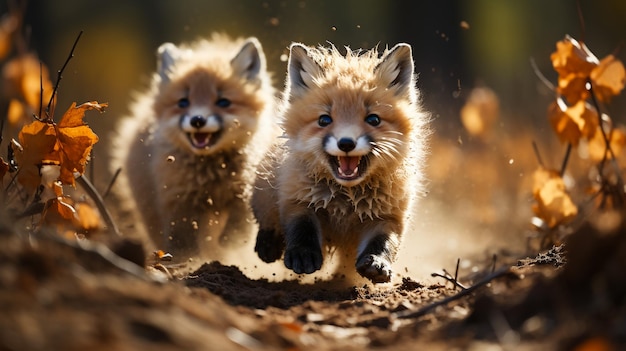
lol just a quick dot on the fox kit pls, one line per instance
(190, 149)
(350, 167)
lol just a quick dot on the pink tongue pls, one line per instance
(200, 138)
(348, 164)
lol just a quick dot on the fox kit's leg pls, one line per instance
(238, 225)
(303, 243)
(377, 250)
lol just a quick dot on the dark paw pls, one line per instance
(269, 246)
(374, 268)
(303, 259)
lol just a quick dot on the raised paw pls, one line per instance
(375, 268)
(303, 259)
(269, 245)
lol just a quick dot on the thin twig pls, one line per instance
(426, 309)
(538, 155)
(607, 141)
(581, 18)
(456, 271)
(449, 278)
(110, 186)
(59, 77)
(540, 75)
(93, 193)
(568, 151)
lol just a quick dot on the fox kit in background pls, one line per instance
(190, 149)
(350, 167)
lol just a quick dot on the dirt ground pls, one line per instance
(59, 294)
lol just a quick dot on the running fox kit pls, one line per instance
(190, 149)
(347, 174)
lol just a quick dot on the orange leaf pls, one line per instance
(8, 25)
(553, 203)
(75, 140)
(597, 144)
(24, 76)
(608, 78)
(87, 218)
(16, 112)
(572, 56)
(574, 63)
(480, 112)
(573, 123)
(35, 148)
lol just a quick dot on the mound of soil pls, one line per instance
(76, 294)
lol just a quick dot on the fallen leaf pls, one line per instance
(608, 78)
(87, 218)
(75, 140)
(597, 144)
(574, 62)
(35, 148)
(553, 204)
(480, 112)
(573, 123)
(24, 77)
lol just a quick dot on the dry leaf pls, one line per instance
(35, 147)
(480, 112)
(553, 204)
(24, 77)
(608, 78)
(75, 140)
(573, 123)
(16, 112)
(59, 211)
(597, 144)
(8, 25)
(574, 62)
(87, 218)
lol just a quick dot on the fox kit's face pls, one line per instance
(348, 116)
(210, 101)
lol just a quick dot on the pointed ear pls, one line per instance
(301, 70)
(167, 54)
(250, 61)
(396, 69)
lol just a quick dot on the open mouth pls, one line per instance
(348, 167)
(202, 140)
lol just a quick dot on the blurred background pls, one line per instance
(479, 194)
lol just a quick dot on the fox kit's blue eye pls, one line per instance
(324, 120)
(222, 102)
(183, 103)
(372, 119)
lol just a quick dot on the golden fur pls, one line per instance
(297, 176)
(185, 195)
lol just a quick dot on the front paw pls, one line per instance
(269, 245)
(303, 259)
(375, 268)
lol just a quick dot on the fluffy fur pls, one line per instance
(350, 168)
(193, 140)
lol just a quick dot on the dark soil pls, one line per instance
(59, 294)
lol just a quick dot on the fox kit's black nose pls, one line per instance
(346, 144)
(197, 121)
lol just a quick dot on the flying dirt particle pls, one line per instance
(511, 161)
(223, 165)
(358, 26)
(209, 201)
(194, 225)
(171, 159)
(333, 28)
(284, 57)
(464, 25)
(274, 22)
